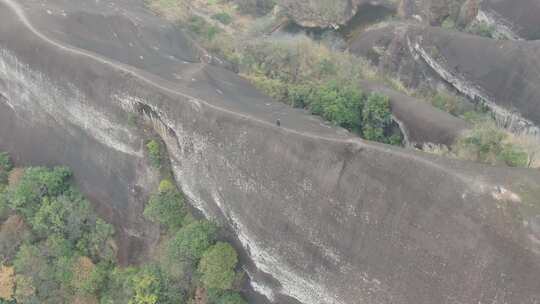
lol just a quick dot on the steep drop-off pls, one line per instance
(324, 216)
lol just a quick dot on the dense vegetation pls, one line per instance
(55, 249)
(304, 74)
(310, 74)
(488, 144)
(154, 153)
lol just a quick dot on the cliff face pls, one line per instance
(499, 74)
(324, 217)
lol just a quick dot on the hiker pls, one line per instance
(278, 123)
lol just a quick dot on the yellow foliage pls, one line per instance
(7, 282)
(25, 288)
(82, 270)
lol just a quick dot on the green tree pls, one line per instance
(57, 246)
(146, 289)
(120, 285)
(154, 152)
(31, 263)
(36, 183)
(68, 214)
(376, 117)
(488, 144)
(337, 103)
(217, 266)
(99, 241)
(49, 218)
(166, 207)
(484, 143)
(190, 242)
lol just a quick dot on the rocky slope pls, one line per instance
(323, 216)
(499, 74)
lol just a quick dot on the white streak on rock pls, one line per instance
(36, 98)
(512, 121)
(503, 28)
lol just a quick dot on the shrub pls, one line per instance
(376, 117)
(223, 18)
(217, 266)
(166, 207)
(5, 167)
(146, 289)
(154, 152)
(488, 144)
(338, 103)
(482, 29)
(449, 23)
(514, 156)
(449, 103)
(200, 27)
(482, 144)
(255, 7)
(5, 162)
(274, 88)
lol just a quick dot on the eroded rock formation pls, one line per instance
(517, 19)
(499, 74)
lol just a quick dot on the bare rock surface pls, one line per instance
(324, 217)
(503, 74)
